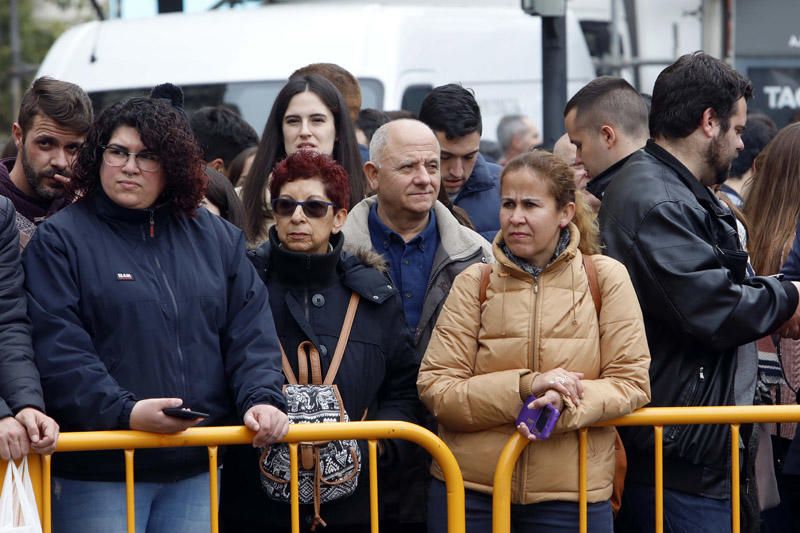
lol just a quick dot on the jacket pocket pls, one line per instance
(689, 398)
(733, 260)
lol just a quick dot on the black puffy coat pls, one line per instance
(19, 379)
(309, 295)
(683, 254)
(122, 314)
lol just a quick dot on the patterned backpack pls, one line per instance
(328, 470)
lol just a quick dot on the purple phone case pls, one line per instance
(540, 422)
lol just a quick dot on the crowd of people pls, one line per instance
(163, 269)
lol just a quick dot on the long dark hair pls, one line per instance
(271, 150)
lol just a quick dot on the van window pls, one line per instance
(413, 97)
(252, 99)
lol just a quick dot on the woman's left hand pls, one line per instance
(551, 397)
(270, 424)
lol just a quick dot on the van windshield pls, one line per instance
(252, 99)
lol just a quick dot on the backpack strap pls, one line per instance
(287, 368)
(347, 325)
(594, 286)
(486, 271)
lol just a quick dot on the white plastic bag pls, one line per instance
(18, 513)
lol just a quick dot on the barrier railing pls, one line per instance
(658, 417)
(213, 437)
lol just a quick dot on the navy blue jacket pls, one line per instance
(19, 380)
(120, 315)
(309, 294)
(480, 197)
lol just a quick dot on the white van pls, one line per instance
(244, 56)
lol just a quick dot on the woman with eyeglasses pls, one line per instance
(311, 276)
(308, 114)
(141, 302)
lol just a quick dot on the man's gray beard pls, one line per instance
(35, 180)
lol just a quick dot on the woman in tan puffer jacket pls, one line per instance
(536, 333)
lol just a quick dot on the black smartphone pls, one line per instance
(184, 412)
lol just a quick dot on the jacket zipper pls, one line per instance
(532, 359)
(177, 327)
(673, 432)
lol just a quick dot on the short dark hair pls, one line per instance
(272, 149)
(221, 133)
(306, 164)
(370, 120)
(609, 100)
(453, 110)
(341, 78)
(685, 89)
(759, 132)
(221, 193)
(165, 131)
(61, 101)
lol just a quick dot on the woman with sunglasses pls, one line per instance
(311, 278)
(141, 302)
(308, 114)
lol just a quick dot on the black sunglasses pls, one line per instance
(285, 207)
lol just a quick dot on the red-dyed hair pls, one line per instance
(306, 164)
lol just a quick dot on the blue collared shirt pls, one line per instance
(410, 263)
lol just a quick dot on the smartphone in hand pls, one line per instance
(184, 412)
(540, 422)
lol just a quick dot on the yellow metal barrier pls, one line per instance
(658, 417)
(212, 437)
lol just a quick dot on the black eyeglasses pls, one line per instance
(285, 207)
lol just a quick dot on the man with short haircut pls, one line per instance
(702, 310)
(607, 122)
(516, 134)
(23, 425)
(54, 117)
(472, 183)
(426, 248)
(222, 135)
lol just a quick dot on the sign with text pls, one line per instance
(776, 92)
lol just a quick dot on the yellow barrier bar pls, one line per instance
(213, 474)
(129, 491)
(501, 501)
(741, 414)
(373, 486)
(735, 478)
(294, 487)
(583, 484)
(47, 495)
(659, 477)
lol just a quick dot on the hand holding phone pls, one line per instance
(539, 422)
(184, 413)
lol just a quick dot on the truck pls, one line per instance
(398, 51)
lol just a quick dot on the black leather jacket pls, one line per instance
(689, 271)
(19, 379)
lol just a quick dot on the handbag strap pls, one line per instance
(486, 271)
(594, 286)
(313, 354)
(347, 325)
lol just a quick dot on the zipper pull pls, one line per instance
(702, 376)
(152, 224)
(536, 287)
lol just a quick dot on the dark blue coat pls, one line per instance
(120, 315)
(480, 197)
(377, 378)
(19, 380)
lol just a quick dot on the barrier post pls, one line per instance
(735, 507)
(373, 486)
(583, 484)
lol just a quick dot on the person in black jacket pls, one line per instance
(310, 279)
(23, 424)
(140, 301)
(701, 307)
